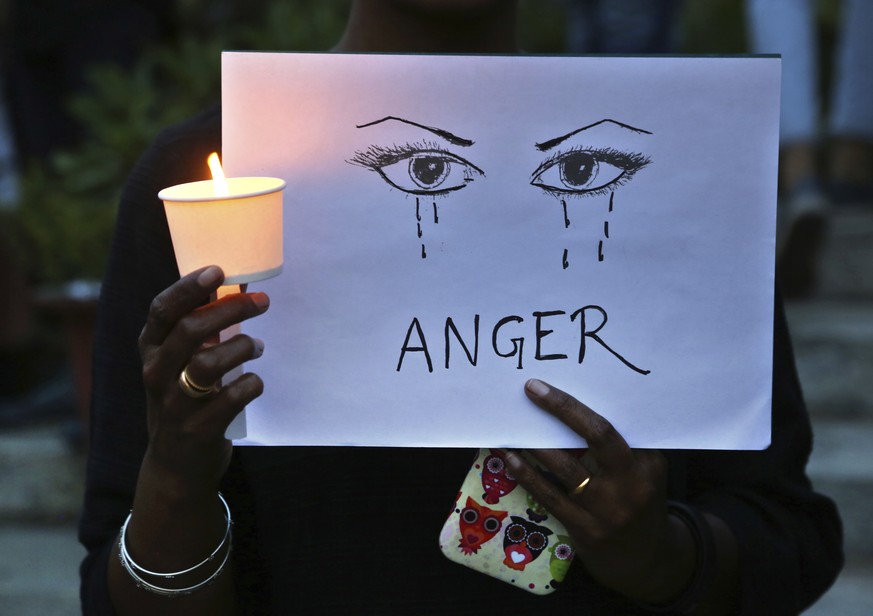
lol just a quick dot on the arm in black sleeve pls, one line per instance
(141, 265)
(789, 537)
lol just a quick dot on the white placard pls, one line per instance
(455, 225)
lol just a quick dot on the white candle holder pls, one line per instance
(240, 232)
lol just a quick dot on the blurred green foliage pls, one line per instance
(541, 26)
(714, 27)
(62, 227)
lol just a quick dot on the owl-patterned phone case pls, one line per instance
(497, 528)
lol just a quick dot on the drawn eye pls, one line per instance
(586, 172)
(419, 169)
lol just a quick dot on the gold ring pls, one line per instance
(580, 488)
(192, 389)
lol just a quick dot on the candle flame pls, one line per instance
(219, 181)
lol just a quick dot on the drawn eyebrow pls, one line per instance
(453, 139)
(548, 145)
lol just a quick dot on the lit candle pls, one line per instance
(235, 223)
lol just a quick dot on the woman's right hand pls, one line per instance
(177, 518)
(187, 451)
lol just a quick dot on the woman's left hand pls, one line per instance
(612, 501)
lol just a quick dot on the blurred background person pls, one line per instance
(827, 141)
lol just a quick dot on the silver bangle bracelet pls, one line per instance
(175, 592)
(137, 571)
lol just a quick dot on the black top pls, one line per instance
(345, 530)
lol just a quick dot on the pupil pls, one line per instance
(578, 169)
(428, 171)
(516, 533)
(469, 516)
(536, 541)
(491, 525)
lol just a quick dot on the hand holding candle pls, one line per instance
(235, 223)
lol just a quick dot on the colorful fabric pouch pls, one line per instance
(498, 529)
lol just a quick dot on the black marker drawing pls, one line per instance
(425, 168)
(428, 169)
(422, 168)
(453, 139)
(508, 335)
(605, 235)
(584, 171)
(548, 145)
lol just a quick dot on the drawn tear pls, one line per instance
(600, 256)
(564, 261)
(566, 218)
(436, 217)
(419, 231)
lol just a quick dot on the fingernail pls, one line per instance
(537, 388)
(209, 276)
(259, 347)
(262, 300)
(512, 460)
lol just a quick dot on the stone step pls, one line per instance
(833, 345)
(846, 260)
(842, 468)
(851, 594)
(41, 476)
(39, 569)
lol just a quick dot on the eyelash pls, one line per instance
(628, 162)
(376, 156)
(624, 165)
(380, 159)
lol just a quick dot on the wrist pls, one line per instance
(175, 485)
(174, 519)
(689, 572)
(171, 536)
(178, 582)
(670, 564)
